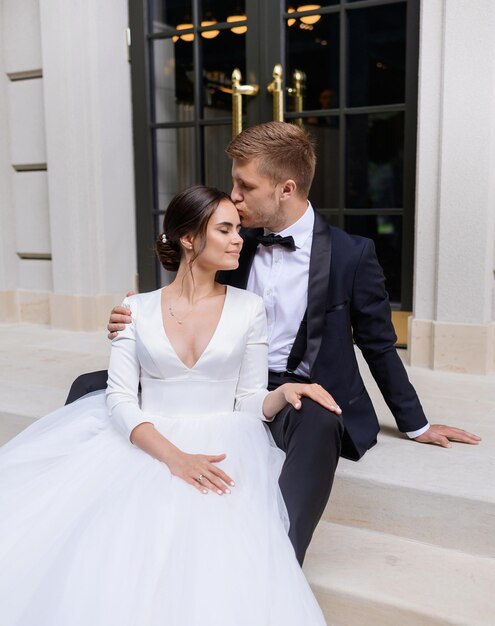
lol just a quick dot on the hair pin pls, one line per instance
(164, 238)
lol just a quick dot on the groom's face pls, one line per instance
(256, 197)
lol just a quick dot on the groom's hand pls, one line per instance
(442, 436)
(293, 393)
(119, 317)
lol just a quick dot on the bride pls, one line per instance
(162, 510)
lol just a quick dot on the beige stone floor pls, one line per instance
(37, 366)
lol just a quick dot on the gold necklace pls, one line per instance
(179, 321)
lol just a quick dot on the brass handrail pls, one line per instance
(238, 91)
(296, 92)
(277, 90)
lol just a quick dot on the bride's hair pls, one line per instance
(187, 214)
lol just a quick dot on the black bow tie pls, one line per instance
(274, 240)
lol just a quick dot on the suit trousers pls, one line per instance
(311, 437)
(86, 383)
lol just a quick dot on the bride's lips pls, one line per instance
(234, 252)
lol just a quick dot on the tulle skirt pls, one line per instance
(95, 532)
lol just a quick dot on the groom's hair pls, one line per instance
(282, 151)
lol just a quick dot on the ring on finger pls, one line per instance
(200, 478)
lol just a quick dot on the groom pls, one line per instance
(323, 290)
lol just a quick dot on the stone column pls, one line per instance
(90, 158)
(453, 326)
(25, 265)
(8, 305)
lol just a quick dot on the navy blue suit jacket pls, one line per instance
(347, 304)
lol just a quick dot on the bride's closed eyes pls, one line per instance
(227, 227)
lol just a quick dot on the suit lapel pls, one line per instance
(239, 277)
(319, 274)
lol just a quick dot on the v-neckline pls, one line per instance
(174, 351)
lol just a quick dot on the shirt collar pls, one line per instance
(301, 229)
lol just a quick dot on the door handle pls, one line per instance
(277, 90)
(296, 92)
(238, 91)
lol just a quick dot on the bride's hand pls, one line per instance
(293, 392)
(200, 471)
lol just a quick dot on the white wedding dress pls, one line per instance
(95, 532)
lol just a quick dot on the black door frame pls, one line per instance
(265, 46)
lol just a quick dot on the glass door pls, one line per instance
(351, 76)
(183, 55)
(348, 71)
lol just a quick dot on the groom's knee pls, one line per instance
(316, 429)
(320, 421)
(86, 383)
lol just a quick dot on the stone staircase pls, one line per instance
(408, 537)
(364, 577)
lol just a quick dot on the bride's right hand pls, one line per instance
(200, 471)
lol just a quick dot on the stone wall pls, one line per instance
(68, 249)
(453, 325)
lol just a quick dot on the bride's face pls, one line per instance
(223, 241)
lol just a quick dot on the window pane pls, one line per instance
(217, 164)
(174, 80)
(377, 55)
(331, 217)
(386, 232)
(221, 55)
(324, 193)
(175, 163)
(220, 10)
(374, 163)
(316, 53)
(167, 14)
(299, 6)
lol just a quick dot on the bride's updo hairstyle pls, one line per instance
(187, 214)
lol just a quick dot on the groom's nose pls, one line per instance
(235, 194)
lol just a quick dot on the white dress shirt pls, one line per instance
(280, 276)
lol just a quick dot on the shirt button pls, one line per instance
(268, 292)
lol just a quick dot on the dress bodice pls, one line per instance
(231, 373)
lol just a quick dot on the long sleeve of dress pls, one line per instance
(253, 376)
(123, 377)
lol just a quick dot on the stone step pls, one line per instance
(38, 365)
(11, 425)
(422, 492)
(448, 520)
(366, 578)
